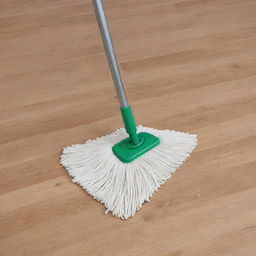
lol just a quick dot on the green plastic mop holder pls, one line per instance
(127, 152)
(135, 145)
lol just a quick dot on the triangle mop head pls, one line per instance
(124, 187)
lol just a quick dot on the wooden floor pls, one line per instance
(188, 65)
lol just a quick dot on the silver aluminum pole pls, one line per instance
(110, 52)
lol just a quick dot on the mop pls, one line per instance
(122, 170)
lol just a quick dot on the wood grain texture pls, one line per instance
(188, 65)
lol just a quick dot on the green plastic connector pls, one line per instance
(135, 145)
(130, 125)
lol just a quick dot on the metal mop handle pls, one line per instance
(125, 109)
(110, 52)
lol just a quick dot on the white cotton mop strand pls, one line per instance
(119, 171)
